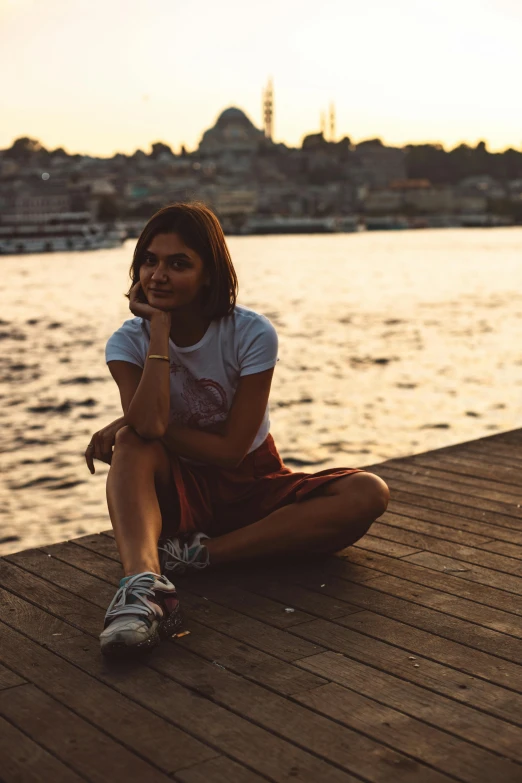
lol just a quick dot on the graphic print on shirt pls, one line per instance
(205, 400)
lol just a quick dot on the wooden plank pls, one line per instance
(434, 529)
(448, 753)
(429, 619)
(470, 467)
(87, 559)
(448, 582)
(75, 611)
(438, 519)
(109, 550)
(459, 656)
(510, 438)
(47, 566)
(444, 496)
(461, 482)
(270, 638)
(495, 448)
(450, 605)
(425, 617)
(218, 770)
(390, 548)
(403, 534)
(245, 659)
(503, 548)
(264, 610)
(212, 724)
(487, 453)
(231, 622)
(9, 679)
(458, 551)
(359, 754)
(469, 571)
(458, 719)
(47, 627)
(192, 639)
(276, 673)
(244, 603)
(101, 543)
(71, 739)
(219, 614)
(157, 741)
(239, 680)
(453, 605)
(23, 761)
(280, 588)
(406, 698)
(268, 710)
(244, 740)
(489, 458)
(429, 674)
(500, 450)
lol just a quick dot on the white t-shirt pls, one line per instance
(204, 376)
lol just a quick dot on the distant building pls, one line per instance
(38, 203)
(235, 201)
(233, 132)
(383, 202)
(379, 165)
(420, 197)
(469, 204)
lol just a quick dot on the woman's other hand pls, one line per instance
(139, 305)
(102, 443)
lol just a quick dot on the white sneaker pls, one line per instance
(144, 610)
(179, 557)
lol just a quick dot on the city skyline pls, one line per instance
(103, 77)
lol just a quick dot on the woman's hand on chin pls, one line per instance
(140, 307)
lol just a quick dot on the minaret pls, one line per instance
(268, 109)
(323, 124)
(332, 122)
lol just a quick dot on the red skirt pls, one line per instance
(217, 500)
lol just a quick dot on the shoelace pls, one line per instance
(182, 555)
(139, 588)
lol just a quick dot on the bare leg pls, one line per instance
(140, 471)
(335, 519)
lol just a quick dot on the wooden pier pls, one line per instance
(398, 661)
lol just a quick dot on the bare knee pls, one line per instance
(365, 491)
(364, 498)
(373, 493)
(151, 456)
(128, 440)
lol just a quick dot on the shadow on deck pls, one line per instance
(397, 661)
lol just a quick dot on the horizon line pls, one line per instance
(431, 143)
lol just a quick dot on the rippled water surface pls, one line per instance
(390, 344)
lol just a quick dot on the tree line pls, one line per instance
(423, 161)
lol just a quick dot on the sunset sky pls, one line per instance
(100, 76)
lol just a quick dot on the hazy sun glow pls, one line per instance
(100, 76)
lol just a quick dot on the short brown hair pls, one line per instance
(200, 230)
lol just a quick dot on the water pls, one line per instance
(390, 344)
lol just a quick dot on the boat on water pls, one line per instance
(284, 224)
(386, 223)
(486, 220)
(57, 232)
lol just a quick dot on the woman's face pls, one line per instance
(172, 275)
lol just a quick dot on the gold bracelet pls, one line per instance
(158, 356)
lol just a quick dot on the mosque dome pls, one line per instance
(233, 132)
(233, 115)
